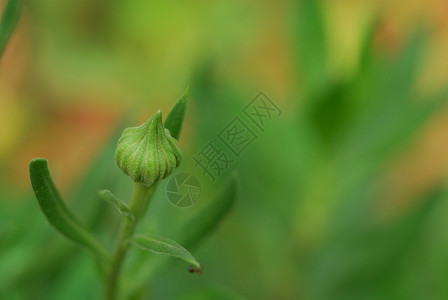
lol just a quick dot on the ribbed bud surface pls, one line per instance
(148, 153)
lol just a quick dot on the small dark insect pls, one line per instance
(195, 270)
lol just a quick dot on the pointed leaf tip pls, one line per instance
(122, 207)
(175, 118)
(162, 245)
(58, 214)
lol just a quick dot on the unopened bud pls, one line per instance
(148, 153)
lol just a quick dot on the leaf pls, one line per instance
(209, 217)
(175, 118)
(366, 56)
(58, 214)
(189, 233)
(162, 245)
(8, 22)
(122, 207)
(50, 260)
(100, 173)
(311, 45)
(369, 255)
(392, 113)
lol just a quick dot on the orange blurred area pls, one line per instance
(338, 195)
(46, 86)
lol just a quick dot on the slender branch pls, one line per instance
(139, 202)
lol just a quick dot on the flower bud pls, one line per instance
(148, 153)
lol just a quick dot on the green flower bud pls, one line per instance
(148, 153)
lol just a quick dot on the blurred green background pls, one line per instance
(344, 196)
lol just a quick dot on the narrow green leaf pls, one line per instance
(368, 254)
(310, 37)
(189, 234)
(162, 245)
(209, 217)
(122, 207)
(8, 22)
(58, 214)
(48, 259)
(366, 56)
(175, 118)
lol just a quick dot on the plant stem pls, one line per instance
(139, 202)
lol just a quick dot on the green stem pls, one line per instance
(139, 202)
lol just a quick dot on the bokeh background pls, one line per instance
(341, 197)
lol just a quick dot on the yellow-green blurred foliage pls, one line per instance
(341, 197)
